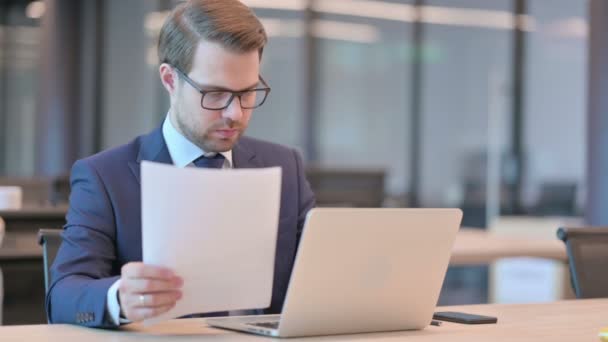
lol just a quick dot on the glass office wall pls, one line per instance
(361, 69)
(133, 99)
(284, 67)
(19, 74)
(364, 67)
(555, 107)
(465, 103)
(465, 119)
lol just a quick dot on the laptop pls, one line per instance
(361, 270)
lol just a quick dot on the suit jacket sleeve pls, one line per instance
(306, 198)
(84, 268)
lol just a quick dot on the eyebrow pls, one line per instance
(211, 87)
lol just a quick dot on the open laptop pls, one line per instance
(361, 270)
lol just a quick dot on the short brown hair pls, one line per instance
(228, 22)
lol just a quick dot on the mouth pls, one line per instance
(226, 133)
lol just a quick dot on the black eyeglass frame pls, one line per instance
(266, 89)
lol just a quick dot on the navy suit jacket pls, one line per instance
(103, 230)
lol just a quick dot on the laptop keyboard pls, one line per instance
(268, 325)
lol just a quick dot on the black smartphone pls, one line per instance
(464, 318)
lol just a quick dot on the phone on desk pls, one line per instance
(464, 318)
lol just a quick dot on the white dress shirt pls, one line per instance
(183, 152)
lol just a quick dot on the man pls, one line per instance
(210, 53)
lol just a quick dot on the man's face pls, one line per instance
(214, 68)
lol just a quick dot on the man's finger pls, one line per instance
(154, 299)
(130, 285)
(141, 270)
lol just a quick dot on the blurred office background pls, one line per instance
(476, 104)
(470, 101)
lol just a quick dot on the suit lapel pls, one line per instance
(152, 147)
(243, 156)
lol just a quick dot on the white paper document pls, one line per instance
(217, 229)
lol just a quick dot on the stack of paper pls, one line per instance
(217, 229)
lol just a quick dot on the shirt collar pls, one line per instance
(183, 151)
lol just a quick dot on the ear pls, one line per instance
(168, 77)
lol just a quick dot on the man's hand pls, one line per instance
(147, 291)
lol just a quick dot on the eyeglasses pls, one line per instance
(221, 99)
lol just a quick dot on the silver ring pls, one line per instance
(142, 300)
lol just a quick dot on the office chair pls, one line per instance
(557, 198)
(60, 189)
(341, 187)
(49, 239)
(588, 259)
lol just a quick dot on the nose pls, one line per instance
(234, 111)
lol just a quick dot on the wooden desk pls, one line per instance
(20, 257)
(58, 211)
(565, 321)
(472, 246)
(476, 247)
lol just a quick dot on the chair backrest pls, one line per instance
(347, 187)
(49, 239)
(557, 198)
(60, 189)
(1, 231)
(588, 259)
(1, 276)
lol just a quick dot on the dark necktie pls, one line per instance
(215, 162)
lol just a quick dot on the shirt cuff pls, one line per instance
(112, 305)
